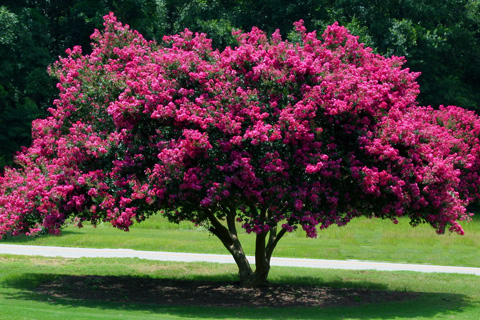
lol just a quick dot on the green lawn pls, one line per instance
(362, 239)
(442, 296)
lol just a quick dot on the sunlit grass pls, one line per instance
(361, 239)
(444, 296)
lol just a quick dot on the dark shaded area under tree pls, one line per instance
(211, 293)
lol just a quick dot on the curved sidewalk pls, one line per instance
(68, 252)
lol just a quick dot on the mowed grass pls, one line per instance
(440, 296)
(361, 239)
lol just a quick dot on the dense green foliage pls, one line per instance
(439, 38)
(32, 36)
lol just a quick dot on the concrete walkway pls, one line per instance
(68, 252)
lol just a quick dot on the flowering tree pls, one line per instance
(270, 135)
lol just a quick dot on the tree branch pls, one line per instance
(260, 258)
(231, 221)
(230, 241)
(219, 230)
(273, 241)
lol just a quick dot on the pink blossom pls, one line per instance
(306, 134)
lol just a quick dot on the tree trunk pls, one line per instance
(263, 249)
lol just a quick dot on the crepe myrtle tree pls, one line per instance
(271, 135)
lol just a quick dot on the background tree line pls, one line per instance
(440, 38)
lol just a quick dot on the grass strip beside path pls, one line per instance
(361, 239)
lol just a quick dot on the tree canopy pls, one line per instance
(440, 39)
(270, 134)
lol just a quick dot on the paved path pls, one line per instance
(68, 252)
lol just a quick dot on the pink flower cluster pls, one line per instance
(303, 134)
(425, 161)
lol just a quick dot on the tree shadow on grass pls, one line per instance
(208, 297)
